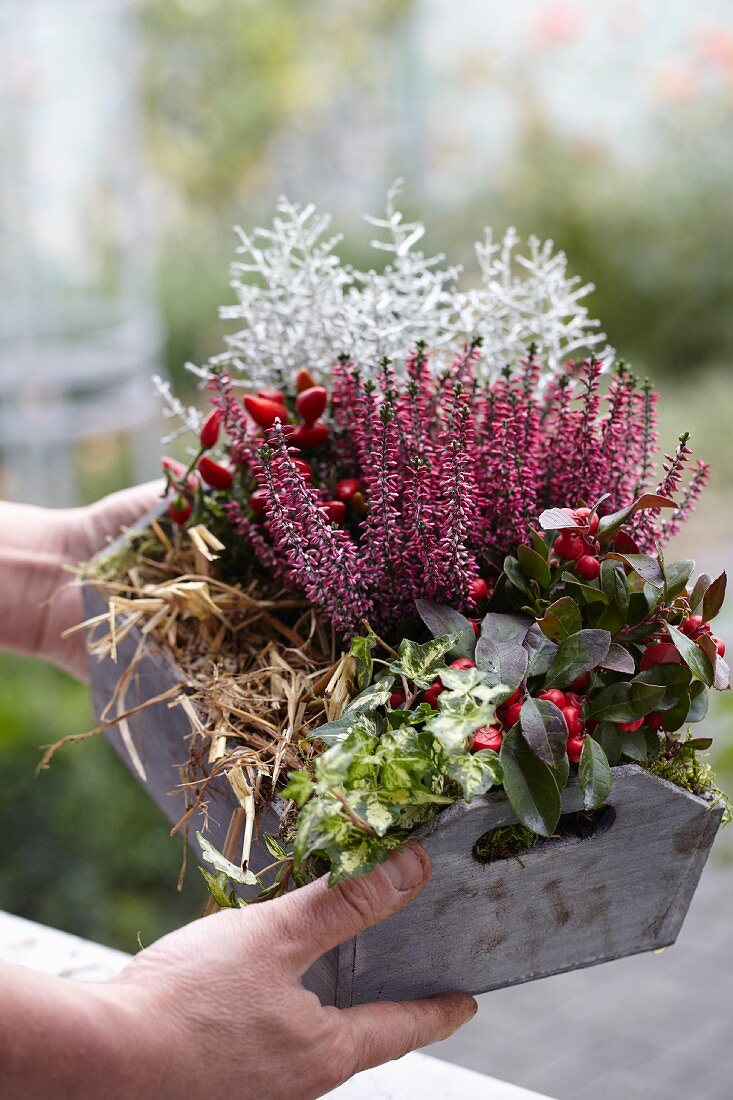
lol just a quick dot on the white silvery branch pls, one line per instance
(299, 306)
(187, 417)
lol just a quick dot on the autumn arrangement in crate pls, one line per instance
(410, 581)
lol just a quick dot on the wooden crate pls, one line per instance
(569, 903)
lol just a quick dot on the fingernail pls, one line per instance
(404, 869)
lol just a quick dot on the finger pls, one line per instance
(310, 921)
(126, 507)
(385, 1030)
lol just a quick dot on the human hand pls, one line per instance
(37, 601)
(217, 1008)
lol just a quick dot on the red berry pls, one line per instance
(397, 698)
(554, 695)
(582, 683)
(335, 510)
(304, 380)
(214, 474)
(574, 749)
(587, 567)
(310, 435)
(630, 727)
(659, 653)
(310, 403)
(303, 469)
(654, 720)
(346, 488)
(209, 433)
(265, 412)
(431, 694)
(487, 737)
(476, 626)
(511, 714)
(272, 395)
(569, 546)
(588, 520)
(691, 624)
(462, 662)
(573, 700)
(513, 698)
(719, 645)
(479, 589)
(179, 510)
(259, 502)
(573, 720)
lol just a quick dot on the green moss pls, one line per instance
(693, 773)
(114, 566)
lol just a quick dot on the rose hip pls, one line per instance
(310, 435)
(214, 474)
(210, 428)
(272, 395)
(310, 403)
(265, 412)
(304, 380)
(179, 510)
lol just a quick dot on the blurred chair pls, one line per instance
(79, 332)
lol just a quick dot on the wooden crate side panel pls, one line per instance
(573, 903)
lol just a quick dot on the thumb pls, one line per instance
(310, 921)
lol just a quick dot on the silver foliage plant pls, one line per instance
(299, 306)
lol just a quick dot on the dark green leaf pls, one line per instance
(676, 717)
(505, 628)
(675, 679)
(606, 734)
(701, 586)
(699, 744)
(619, 659)
(613, 583)
(442, 620)
(540, 544)
(610, 524)
(501, 662)
(594, 775)
(721, 672)
(578, 654)
(646, 697)
(613, 704)
(589, 591)
(561, 771)
(693, 656)
(646, 567)
(541, 651)
(713, 598)
(633, 745)
(544, 729)
(516, 576)
(534, 566)
(530, 785)
(699, 698)
(561, 619)
(677, 574)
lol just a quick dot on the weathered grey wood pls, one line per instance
(569, 903)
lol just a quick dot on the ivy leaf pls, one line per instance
(530, 785)
(376, 808)
(361, 650)
(376, 695)
(224, 865)
(693, 656)
(594, 775)
(618, 659)
(713, 599)
(561, 619)
(534, 566)
(577, 654)
(475, 773)
(217, 887)
(299, 788)
(421, 663)
(610, 524)
(332, 732)
(544, 729)
(643, 565)
(274, 847)
(442, 620)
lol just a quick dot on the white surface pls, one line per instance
(54, 952)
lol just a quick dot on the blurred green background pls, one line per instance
(587, 127)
